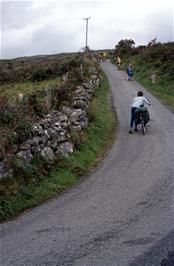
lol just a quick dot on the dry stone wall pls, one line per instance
(52, 134)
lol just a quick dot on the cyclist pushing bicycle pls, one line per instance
(137, 107)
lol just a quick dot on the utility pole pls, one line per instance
(86, 46)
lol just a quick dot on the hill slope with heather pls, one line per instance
(153, 66)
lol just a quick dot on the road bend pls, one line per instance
(121, 214)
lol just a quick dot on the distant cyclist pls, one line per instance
(137, 102)
(118, 62)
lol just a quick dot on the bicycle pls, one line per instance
(142, 118)
(142, 123)
(118, 66)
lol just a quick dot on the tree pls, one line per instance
(125, 47)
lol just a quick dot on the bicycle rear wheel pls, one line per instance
(143, 126)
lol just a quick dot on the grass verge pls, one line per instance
(96, 141)
(161, 91)
(163, 88)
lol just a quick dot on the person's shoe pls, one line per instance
(130, 131)
(135, 129)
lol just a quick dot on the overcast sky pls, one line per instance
(53, 26)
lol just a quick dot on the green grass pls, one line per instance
(161, 91)
(164, 92)
(13, 89)
(91, 151)
(163, 88)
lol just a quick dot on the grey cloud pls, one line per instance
(14, 14)
(16, 50)
(18, 14)
(36, 27)
(161, 26)
(46, 40)
(50, 37)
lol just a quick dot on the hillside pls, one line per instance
(153, 66)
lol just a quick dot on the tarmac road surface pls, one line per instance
(120, 215)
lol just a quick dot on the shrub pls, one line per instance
(39, 75)
(6, 115)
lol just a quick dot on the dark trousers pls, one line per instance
(132, 116)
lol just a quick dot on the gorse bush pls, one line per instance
(39, 75)
(125, 47)
(160, 51)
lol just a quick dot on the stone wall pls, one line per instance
(52, 135)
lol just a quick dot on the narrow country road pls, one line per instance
(120, 215)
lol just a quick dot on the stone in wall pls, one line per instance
(47, 153)
(25, 155)
(64, 149)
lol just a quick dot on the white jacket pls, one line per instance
(139, 101)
